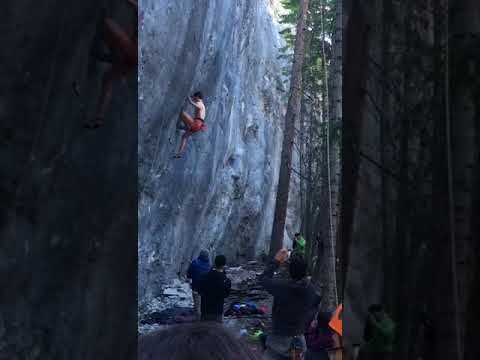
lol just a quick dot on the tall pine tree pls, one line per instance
(293, 112)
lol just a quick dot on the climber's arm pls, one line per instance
(274, 286)
(193, 103)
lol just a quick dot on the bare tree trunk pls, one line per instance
(384, 118)
(302, 163)
(466, 101)
(464, 127)
(445, 341)
(355, 59)
(310, 211)
(336, 120)
(328, 189)
(293, 112)
(451, 199)
(403, 208)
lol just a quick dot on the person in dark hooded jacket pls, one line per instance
(214, 287)
(198, 268)
(294, 300)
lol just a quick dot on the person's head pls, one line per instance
(204, 256)
(220, 262)
(298, 268)
(197, 95)
(377, 311)
(297, 235)
(196, 341)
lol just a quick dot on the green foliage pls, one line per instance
(290, 20)
(314, 62)
(311, 138)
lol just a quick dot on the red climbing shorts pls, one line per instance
(198, 125)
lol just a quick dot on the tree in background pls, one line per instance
(317, 136)
(293, 112)
(410, 158)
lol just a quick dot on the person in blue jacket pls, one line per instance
(196, 270)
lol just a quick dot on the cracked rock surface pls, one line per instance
(220, 196)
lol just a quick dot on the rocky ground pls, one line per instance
(175, 305)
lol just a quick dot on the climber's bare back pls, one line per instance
(199, 109)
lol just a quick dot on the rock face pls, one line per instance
(221, 195)
(67, 234)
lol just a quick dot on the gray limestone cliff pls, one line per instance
(221, 194)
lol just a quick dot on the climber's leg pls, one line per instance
(118, 41)
(183, 144)
(105, 96)
(187, 119)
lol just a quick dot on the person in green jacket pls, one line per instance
(379, 335)
(299, 244)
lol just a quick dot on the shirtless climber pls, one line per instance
(195, 124)
(122, 56)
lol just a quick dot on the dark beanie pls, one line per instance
(204, 255)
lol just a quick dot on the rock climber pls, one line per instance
(198, 268)
(122, 56)
(294, 301)
(379, 335)
(214, 288)
(319, 338)
(192, 125)
(299, 244)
